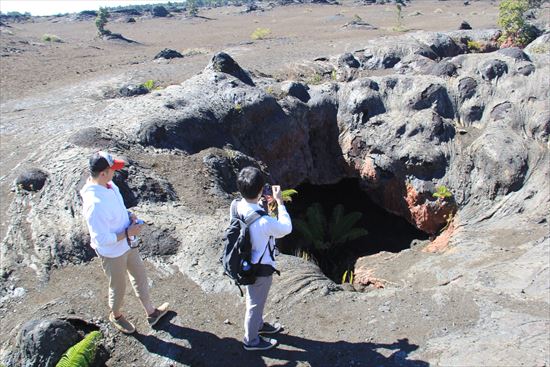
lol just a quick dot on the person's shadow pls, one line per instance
(200, 348)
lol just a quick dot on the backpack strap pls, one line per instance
(252, 217)
(233, 209)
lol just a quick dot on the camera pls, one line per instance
(267, 191)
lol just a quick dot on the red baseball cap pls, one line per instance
(103, 160)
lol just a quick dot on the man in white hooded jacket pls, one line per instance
(111, 227)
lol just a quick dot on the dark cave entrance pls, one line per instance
(386, 232)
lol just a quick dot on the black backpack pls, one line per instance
(237, 248)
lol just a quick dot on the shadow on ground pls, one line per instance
(199, 348)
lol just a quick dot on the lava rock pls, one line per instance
(437, 94)
(443, 68)
(297, 90)
(224, 63)
(515, 53)
(168, 54)
(133, 90)
(526, 69)
(41, 343)
(155, 241)
(93, 137)
(466, 88)
(465, 25)
(31, 180)
(444, 46)
(159, 11)
(493, 69)
(501, 110)
(473, 113)
(348, 60)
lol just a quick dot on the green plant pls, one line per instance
(315, 79)
(149, 85)
(192, 8)
(399, 14)
(347, 277)
(515, 31)
(356, 19)
(333, 75)
(51, 38)
(474, 46)
(238, 107)
(288, 194)
(260, 33)
(442, 192)
(324, 235)
(101, 21)
(83, 353)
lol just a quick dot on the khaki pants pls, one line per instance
(115, 269)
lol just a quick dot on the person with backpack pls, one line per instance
(263, 230)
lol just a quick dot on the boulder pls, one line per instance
(527, 69)
(32, 179)
(41, 343)
(466, 88)
(296, 89)
(131, 90)
(159, 11)
(168, 54)
(515, 53)
(465, 25)
(435, 95)
(493, 69)
(224, 63)
(347, 60)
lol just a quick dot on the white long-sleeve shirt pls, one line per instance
(106, 215)
(264, 228)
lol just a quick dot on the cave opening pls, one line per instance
(385, 231)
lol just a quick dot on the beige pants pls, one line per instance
(115, 269)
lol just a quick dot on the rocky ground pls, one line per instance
(479, 123)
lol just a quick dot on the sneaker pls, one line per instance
(268, 328)
(153, 318)
(122, 324)
(264, 344)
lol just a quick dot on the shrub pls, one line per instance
(51, 38)
(192, 8)
(149, 85)
(515, 31)
(260, 33)
(101, 21)
(315, 79)
(83, 353)
(474, 46)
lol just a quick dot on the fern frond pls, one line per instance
(336, 217)
(287, 195)
(354, 234)
(303, 229)
(317, 221)
(344, 226)
(82, 354)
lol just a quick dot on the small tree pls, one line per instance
(192, 8)
(101, 21)
(515, 31)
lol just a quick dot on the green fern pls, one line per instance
(287, 195)
(82, 354)
(322, 235)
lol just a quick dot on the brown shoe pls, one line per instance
(157, 314)
(122, 324)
